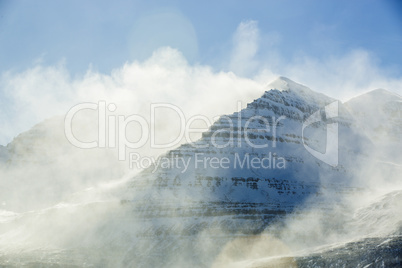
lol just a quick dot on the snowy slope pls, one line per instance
(236, 136)
(379, 114)
(247, 199)
(382, 216)
(367, 252)
(175, 217)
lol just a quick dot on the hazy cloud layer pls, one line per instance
(43, 91)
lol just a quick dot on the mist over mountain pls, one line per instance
(3, 153)
(270, 128)
(378, 115)
(263, 185)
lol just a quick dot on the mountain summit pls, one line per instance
(379, 114)
(284, 84)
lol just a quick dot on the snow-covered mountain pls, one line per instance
(379, 114)
(250, 174)
(381, 217)
(270, 132)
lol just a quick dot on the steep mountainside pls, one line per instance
(253, 165)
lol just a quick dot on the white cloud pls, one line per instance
(343, 77)
(43, 91)
(246, 43)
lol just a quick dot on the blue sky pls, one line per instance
(106, 34)
(54, 54)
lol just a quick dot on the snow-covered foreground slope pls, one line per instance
(368, 252)
(110, 234)
(195, 211)
(372, 238)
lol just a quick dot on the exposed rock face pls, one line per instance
(252, 166)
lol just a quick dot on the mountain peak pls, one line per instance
(376, 97)
(284, 84)
(385, 93)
